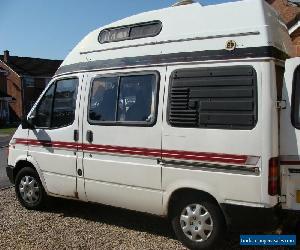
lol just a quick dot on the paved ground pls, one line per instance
(4, 182)
(4, 139)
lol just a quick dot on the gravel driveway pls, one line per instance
(4, 182)
(70, 224)
(4, 140)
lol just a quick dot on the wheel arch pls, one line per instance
(29, 162)
(173, 194)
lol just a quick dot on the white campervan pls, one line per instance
(189, 112)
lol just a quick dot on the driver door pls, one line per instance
(53, 141)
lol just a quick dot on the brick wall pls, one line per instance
(287, 11)
(296, 41)
(13, 85)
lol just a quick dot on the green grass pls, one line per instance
(7, 131)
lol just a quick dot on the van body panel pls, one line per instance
(17, 151)
(225, 141)
(204, 139)
(129, 197)
(200, 179)
(123, 157)
(289, 135)
(290, 139)
(220, 185)
(60, 185)
(269, 135)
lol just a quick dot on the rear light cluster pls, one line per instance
(274, 174)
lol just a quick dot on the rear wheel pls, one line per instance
(29, 189)
(198, 223)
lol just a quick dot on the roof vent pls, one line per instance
(183, 2)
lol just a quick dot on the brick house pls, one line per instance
(290, 13)
(22, 79)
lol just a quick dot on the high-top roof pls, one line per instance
(188, 28)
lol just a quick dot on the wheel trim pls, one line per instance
(29, 189)
(196, 222)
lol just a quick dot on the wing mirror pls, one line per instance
(28, 123)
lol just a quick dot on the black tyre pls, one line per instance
(29, 189)
(198, 223)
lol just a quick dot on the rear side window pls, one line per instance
(128, 99)
(295, 112)
(57, 106)
(220, 97)
(129, 32)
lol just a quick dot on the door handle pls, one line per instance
(89, 136)
(160, 161)
(76, 135)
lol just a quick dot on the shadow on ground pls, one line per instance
(111, 215)
(129, 219)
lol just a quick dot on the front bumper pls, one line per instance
(10, 173)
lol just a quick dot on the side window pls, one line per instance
(103, 99)
(136, 99)
(129, 99)
(57, 106)
(219, 97)
(295, 112)
(64, 103)
(43, 110)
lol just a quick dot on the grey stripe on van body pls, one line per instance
(239, 53)
(233, 169)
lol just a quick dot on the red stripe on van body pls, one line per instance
(202, 156)
(172, 154)
(122, 150)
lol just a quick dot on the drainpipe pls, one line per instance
(23, 97)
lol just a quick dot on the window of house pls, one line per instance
(47, 80)
(29, 82)
(295, 112)
(57, 106)
(219, 97)
(129, 32)
(129, 99)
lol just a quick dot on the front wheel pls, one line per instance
(29, 189)
(198, 223)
